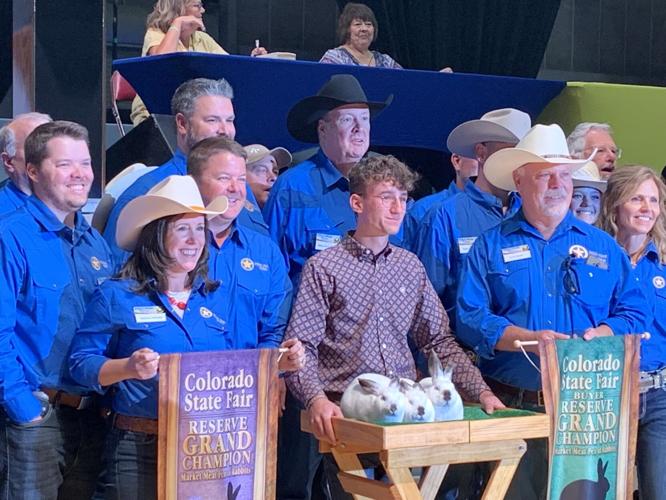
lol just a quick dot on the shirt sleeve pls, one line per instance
(15, 393)
(91, 343)
(308, 324)
(276, 219)
(476, 325)
(152, 38)
(331, 56)
(433, 247)
(628, 311)
(276, 309)
(430, 330)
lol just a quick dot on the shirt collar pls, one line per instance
(330, 175)
(180, 161)
(481, 197)
(362, 253)
(14, 189)
(652, 253)
(237, 235)
(48, 220)
(518, 222)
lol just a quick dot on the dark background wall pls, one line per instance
(620, 41)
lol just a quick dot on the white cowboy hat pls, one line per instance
(177, 194)
(500, 125)
(588, 176)
(542, 144)
(256, 152)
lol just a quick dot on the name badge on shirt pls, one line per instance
(520, 252)
(324, 241)
(464, 244)
(149, 314)
(598, 260)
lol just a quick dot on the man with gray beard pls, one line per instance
(539, 274)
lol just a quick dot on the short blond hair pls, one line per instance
(164, 12)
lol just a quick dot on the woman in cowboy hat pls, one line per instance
(161, 302)
(633, 212)
(588, 188)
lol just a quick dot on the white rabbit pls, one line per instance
(373, 398)
(418, 408)
(441, 391)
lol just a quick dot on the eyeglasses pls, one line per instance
(603, 150)
(389, 200)
(571, 283)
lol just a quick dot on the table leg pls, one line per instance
(350, 463)
(500, 479)
(403, 481)
(431, 480)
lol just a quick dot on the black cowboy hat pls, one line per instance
(338, 91)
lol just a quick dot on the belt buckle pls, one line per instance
(540, 400)
(646, 382)
(85, 403)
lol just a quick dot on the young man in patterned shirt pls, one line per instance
(359, 300)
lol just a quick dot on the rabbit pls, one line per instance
(441, 391)
(418, 408)
(232, 494)
(586, 488)
(373, 398)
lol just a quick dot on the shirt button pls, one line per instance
(549, 322)
(390, 372)
(590, 274)
(549, 294)
(381, 319)
(81, 280)
(549, 268)
(383, 346)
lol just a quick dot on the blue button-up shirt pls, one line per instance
(250, 216)
(11, 197)
(49, 272)
(412, 223)
(119, 321)
(256, 285)
(513, 276)
(650, 274)
(448, 231)
(308, 210)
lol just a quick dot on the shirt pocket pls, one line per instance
(509, 284)
(48, 290)
(154, 335)
(595, 286)
(321, 233)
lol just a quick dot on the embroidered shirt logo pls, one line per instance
(247, 264)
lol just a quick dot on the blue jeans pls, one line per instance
(651, 445)
(130, 466)
(299, 475)
(58, 457)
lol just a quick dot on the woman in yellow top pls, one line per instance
(176, 26)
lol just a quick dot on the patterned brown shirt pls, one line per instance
(353, 313)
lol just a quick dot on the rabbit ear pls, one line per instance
(448, 372)
(434, 365)
(406, 385)
(230, 490)
(369, 386)
(236, 491)
(601, 468)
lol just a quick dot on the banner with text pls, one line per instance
(218, 425)
(591, 395)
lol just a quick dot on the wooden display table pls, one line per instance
(477, 438)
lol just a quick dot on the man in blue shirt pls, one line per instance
(16, 189)
(249, 265)
(465, 169)
(51, 434)
(308, 208)
(308, 211)
(540, 273)
(448, 230)
(202, 108)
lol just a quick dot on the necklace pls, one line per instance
(364, 60)
(178, 299)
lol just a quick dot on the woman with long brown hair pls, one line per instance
(634, 213)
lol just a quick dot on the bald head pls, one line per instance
(12, 141)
